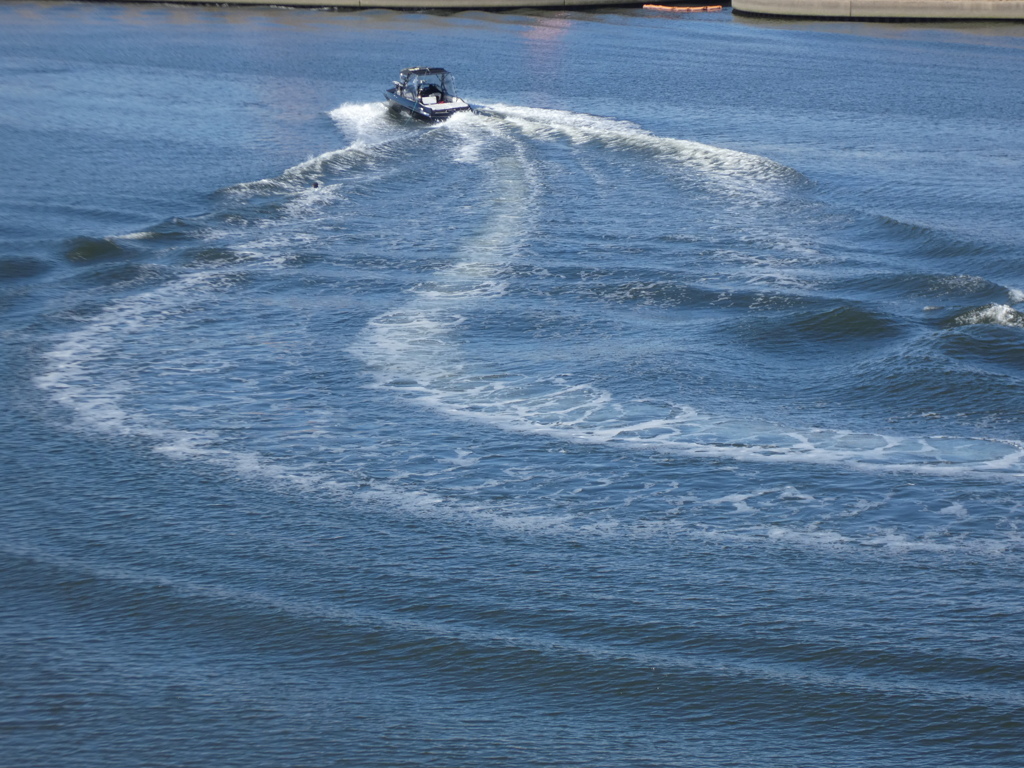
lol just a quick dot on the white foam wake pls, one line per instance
(992, 314)
(369, 132)
(731, 171)
(410, 354)
(416, 349)
(86, 370)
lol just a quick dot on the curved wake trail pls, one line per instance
(95, 370)
(429, 349)
(415, 345)
(415, 349)
(90, 370)
(728, 170)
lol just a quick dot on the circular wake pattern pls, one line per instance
(551, 321)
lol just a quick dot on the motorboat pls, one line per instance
(426, 92)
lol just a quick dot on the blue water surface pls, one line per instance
(666, 411)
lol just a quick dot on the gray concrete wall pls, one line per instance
(839, 9)
(886, 9)
(409, 4)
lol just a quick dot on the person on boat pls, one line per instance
(431, 90)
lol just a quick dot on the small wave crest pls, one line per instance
(931, 244)
(991, 314)
(15, 267)
(84, 250)
(369, 132)
(302, 175)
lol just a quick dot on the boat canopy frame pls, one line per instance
(412, 80)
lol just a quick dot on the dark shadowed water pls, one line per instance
(668, 412)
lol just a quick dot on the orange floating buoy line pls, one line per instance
(683, 7)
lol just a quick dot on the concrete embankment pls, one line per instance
(886, 9)
(411, 4)
(821, 9)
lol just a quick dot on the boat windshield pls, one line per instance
(435, 85)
